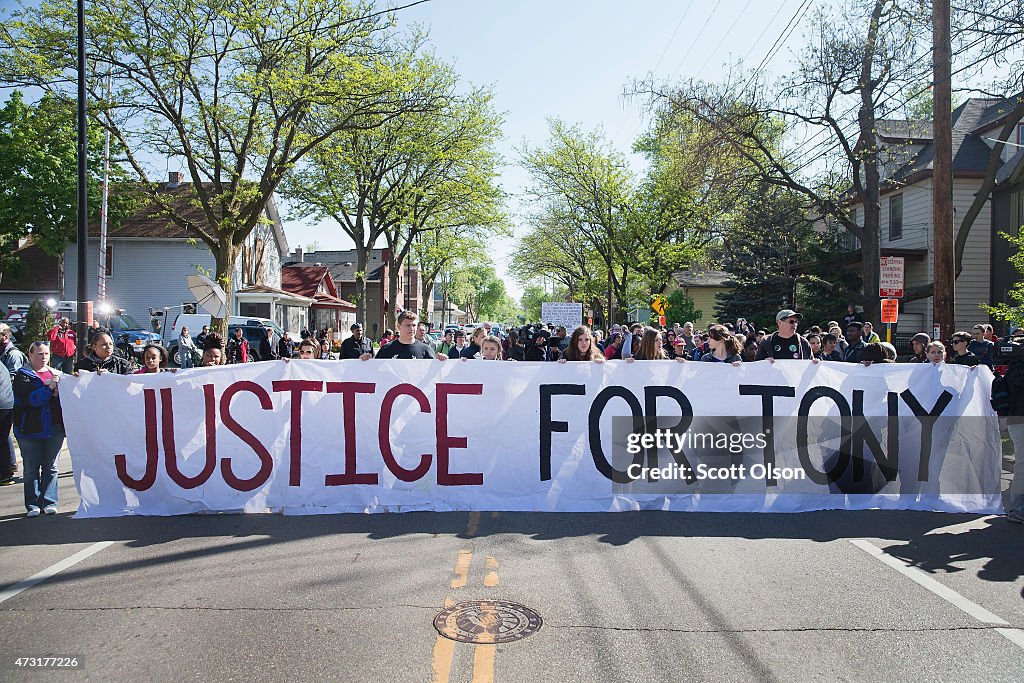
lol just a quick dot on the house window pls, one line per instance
(109, 265)
(1020, 133)
(847, 240)
(895, 217)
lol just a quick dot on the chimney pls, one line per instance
(298, 254)
(174, 178)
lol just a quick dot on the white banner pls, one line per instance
(307, 437)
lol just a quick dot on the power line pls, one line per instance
(724, 36)
(696, 38)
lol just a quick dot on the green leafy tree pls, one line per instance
(591, 185)
(241, 91)
(39, 178)
(38, 323)
(681, 308)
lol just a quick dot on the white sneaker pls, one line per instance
(32, 512)
(50, 509)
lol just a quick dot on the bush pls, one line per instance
(38, 324)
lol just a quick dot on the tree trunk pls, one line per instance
(224, 257)
(393, 273)
(427, 288)
(362, 256)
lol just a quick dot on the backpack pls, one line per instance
(1001, 400)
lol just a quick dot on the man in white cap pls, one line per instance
(785, 344)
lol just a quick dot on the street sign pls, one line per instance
(890, 310)
(658, 304)
(890, 283)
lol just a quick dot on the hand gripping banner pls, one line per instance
(311, 437)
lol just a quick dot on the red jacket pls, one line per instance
(62, 342)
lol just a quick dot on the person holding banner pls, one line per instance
(101, 357)
(785, 344)
(213, 350)
(1015, 426)
(582, 347)
(650, 347)
(960, 355)
(725, 348)
(39, 426)
(855, 344)
(406, 346)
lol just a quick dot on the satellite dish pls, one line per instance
(209, 295)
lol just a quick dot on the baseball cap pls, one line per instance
(787, 313)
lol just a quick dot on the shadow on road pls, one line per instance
(997, 542)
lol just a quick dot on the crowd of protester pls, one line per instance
(30, 403)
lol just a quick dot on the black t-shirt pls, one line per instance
(397, 349)
(784, 348)
(968, 359)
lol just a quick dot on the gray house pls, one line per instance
(149, 257)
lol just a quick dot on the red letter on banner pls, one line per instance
(445, 442)
(171, 453)
(152, 452)
(348, 391)
(266, 461)
(383, 432)
(297, 387)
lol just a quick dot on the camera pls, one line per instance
(1009, 350)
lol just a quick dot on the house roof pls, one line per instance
(701, 278)
(328, 301)
(266, 289)
(970, 153)
(302, 278)
(38, 271)
(150, 222)
(891, 130)
(995, 113)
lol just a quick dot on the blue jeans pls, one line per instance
(8, 461)
(39, 458)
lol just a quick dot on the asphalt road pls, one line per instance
(831, 596)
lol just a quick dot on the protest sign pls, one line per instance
(307, 437)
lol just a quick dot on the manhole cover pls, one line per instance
(487, 621)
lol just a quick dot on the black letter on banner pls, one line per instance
(843, 456)
(927, 419)
(547, 425)
(862, 435)
(603, 466)
(767, 394)
(651, 396)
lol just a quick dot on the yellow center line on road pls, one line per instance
(444, 653)
(491, 579)
(462, 569)
(483, 663)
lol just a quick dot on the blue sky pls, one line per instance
(572, 58)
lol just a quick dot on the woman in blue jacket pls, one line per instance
(39, 426)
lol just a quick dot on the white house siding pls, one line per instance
(146, 273)
(972, 287)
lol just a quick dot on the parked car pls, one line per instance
(128, 333)
(253, 329)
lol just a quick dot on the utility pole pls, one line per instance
(944, 315)
(83, 190)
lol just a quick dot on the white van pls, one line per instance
(195, 321)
